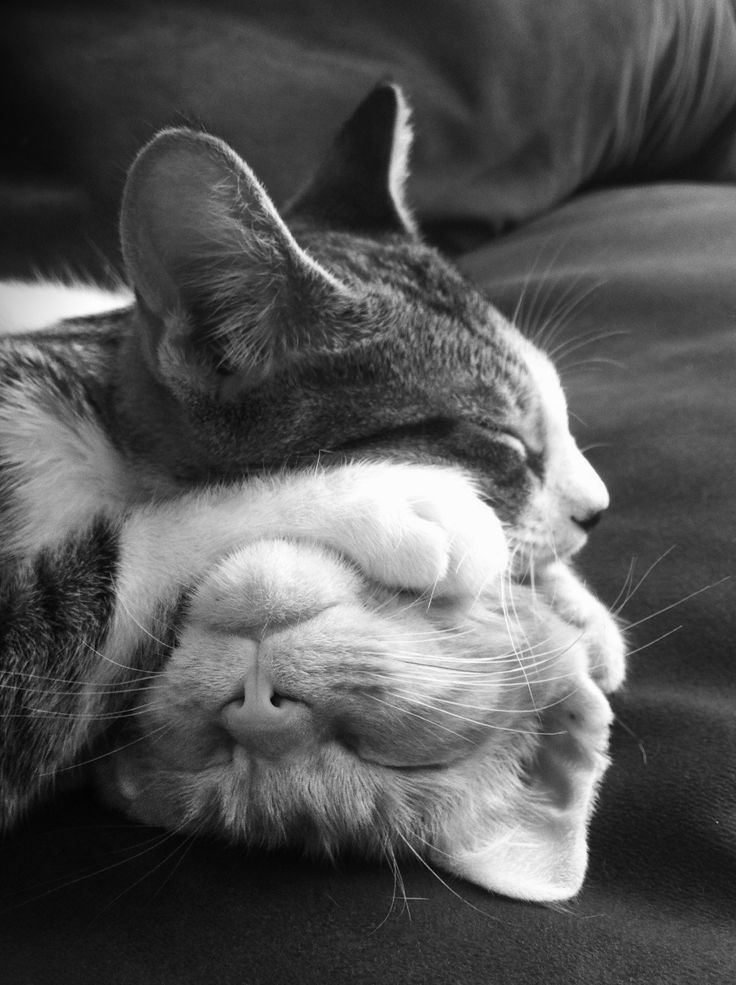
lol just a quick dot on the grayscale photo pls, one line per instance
(367, 513)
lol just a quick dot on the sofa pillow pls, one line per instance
(518, 103)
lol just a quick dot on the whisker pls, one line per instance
(645, 646)
(571, 345)
(437, 700)
(505, 595)
(635, 589)
(489, 725)
(413, 714)
(108, 752)
(184, 847)
(76, 716)
(113, 690)
(439, 878)
(390, 856)
(673, 605)
(116, 663)
(592, 362)
(165, 836)
(617, 719)
(560, 314)
(140, 625)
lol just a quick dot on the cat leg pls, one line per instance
(411, 527)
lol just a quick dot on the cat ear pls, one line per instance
(224, 289)
(539, 851)
(360, 185)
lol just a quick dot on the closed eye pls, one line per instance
(438, 435)
(534, 460)
(511, 440)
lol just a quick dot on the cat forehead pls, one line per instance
(423, 310)
(553, 404)
(416, 361)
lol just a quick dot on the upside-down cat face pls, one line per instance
(303, 705)
(261, 344)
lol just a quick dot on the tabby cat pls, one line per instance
(134, 590)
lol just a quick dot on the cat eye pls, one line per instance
(533, 460)
(514, 443)
(503, 436)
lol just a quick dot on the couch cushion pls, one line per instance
(518, 103)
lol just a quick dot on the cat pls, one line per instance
(273, 693)
(303, 705)
(85, 616)
(248, 349)
(253, 346)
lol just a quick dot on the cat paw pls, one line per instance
(600, 633)
(606, 648)
(419, 528)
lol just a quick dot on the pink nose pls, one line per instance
(263, 721)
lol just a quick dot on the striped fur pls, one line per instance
(335, 378)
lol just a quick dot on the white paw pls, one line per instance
(417, 527)
(600, 634)
(606, 649)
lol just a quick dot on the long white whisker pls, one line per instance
(116, 663)
(413, 714)
(439, 878)
(140, 625)
(107, 753)
(645, 646)
(635, 589)
(673, 605)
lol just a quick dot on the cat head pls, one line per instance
(266, 339)
(303, 706)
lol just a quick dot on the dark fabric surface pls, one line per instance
(635, 287)
(517, 104)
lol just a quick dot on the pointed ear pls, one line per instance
(360, 185)
(224, 290)
(539, 850)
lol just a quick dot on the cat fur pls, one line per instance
(251, 347)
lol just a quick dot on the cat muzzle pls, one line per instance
(263, 721)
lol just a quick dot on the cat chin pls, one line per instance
(533, 547)
(473, 737)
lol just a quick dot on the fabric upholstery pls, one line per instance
(517, 104)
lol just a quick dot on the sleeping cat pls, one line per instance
(303, 705)
(251, 347)
(82, 621)
(248, 350)
(272, 694)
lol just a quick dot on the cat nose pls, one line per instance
(589, 521)
(264, 721)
